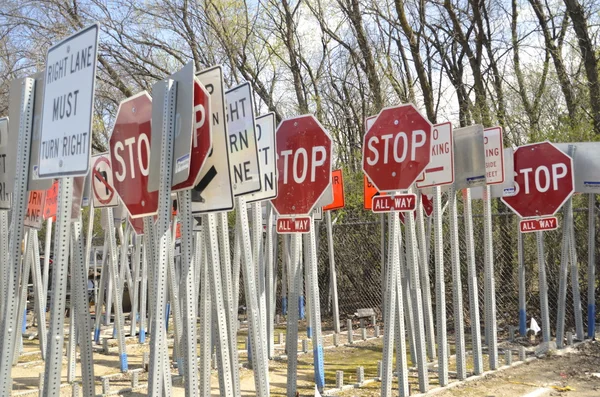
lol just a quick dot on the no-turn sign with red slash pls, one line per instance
(102, 182)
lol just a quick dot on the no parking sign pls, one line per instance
(102, 182)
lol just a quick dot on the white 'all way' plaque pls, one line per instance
(68, 105)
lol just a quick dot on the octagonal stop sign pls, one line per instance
(130, 155)
(397, 148)
(543, 180)
(303, 165)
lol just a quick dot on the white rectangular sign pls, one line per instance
(265, 135)
(502, 189)
(214, 192)
(66, 129)
(494, 155)
(469, 159)
(4, 176)
(440, 170)
(243, 148)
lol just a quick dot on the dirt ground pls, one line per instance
(573, 371)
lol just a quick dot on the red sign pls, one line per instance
(130, 155)
(303, 165)
(426, 202)
(397, 148)
(543, 180)
(399, 202)
(537, 225)
(337, 185)
(201, 139)
(293, 225)
(138, 225)
(51, 202)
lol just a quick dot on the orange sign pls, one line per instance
(51, 203)
(337, 184)
(35, 207)
(369, 191)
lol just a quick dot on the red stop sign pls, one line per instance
(201, 137)
(303, 165)
(397, 148)
(543, 180)
(130, 154)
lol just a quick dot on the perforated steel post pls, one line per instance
(591, 292)
(136, 257)
(113, 274)
(317, 336)
(100, 301)
(22, 305)
(82, 315)
(159, 376)
(423, 251)
(270, 284)
(400, 333)
(144, 289)
(292, 319)
(575, 283)
(332, 274)
(490, 290)
(306, 281)
(9, 327)
(258, 348)
(389, 314)
(54, 357)
(473, 287)
(38, 294)
(440, 287)
(543, 286)
(218, 303)
(415, 292)
(4, 231)
(236, 266)
(47, 245)
(205, 316)
(188, 290)
(522, 287)
(457, 300)
(563, 274)
(173, 288)
(230, 309)
(259, 266)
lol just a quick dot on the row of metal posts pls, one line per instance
(407, 298)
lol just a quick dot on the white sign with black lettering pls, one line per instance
(214, 192)
(68, 105)
(4, 177)
(440, 170)
(265, 135)
(243, 148)
(494, 155)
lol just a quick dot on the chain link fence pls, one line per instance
(357, 247)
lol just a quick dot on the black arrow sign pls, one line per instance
(203, 184)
